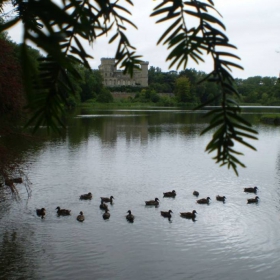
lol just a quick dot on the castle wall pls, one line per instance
(113, 77)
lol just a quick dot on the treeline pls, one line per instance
(261, 90)
(184, 87)
(171, 88)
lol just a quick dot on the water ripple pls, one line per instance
(231, 240)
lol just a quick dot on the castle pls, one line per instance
(113, 77)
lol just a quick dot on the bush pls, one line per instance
(105, 96)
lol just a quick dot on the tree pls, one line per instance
(208, 91)
(104, 96)
(12, 102)
(59, 30)
(11, 89)
(91, 84)
(161, 82)
(182, 90)
(191, 74)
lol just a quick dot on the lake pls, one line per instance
(135, 156)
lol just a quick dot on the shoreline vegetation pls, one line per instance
(270, 119)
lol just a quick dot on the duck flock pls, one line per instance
(130, 217)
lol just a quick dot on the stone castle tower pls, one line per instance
(113, 77)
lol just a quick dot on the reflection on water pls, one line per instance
(137, 124)
(15, 261)
(136, 156)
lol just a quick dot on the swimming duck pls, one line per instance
(169, 194)
(251, 190)
(203, 200)
(106, 215)
(153, 202)
(196, 193)
(129, 216)
(221, 198)
(41, 212)
(189, 215)
(253, 200)
(108, 199)
(62, 212)
(81, 217)
(86, 196)
(103, 206)
(166, 214)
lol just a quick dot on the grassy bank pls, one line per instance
(131, 105)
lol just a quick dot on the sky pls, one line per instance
(253, 26)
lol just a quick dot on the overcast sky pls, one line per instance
(253, 26)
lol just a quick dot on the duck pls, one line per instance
(251, 190)
(169, 194)
(253, 200)
(86, 196)
(108, 199)
(196, 193)
(153, 202)
(166, 214)
(81, 217)
(221, 198)
(62, 212)
(129, 216)
(106, 215)
(41, 212)
(103, 206)
(203, 200)
(189, 215)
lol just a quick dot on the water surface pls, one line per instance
(136, 155)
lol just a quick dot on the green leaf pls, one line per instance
(113, 38)
(245, 135)
(211, 126)
(158, 11)
(227, 54)
(168, 30)
(226, 63)
(206, 17)
(171, 36)
(168, 17)
(115, 5)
